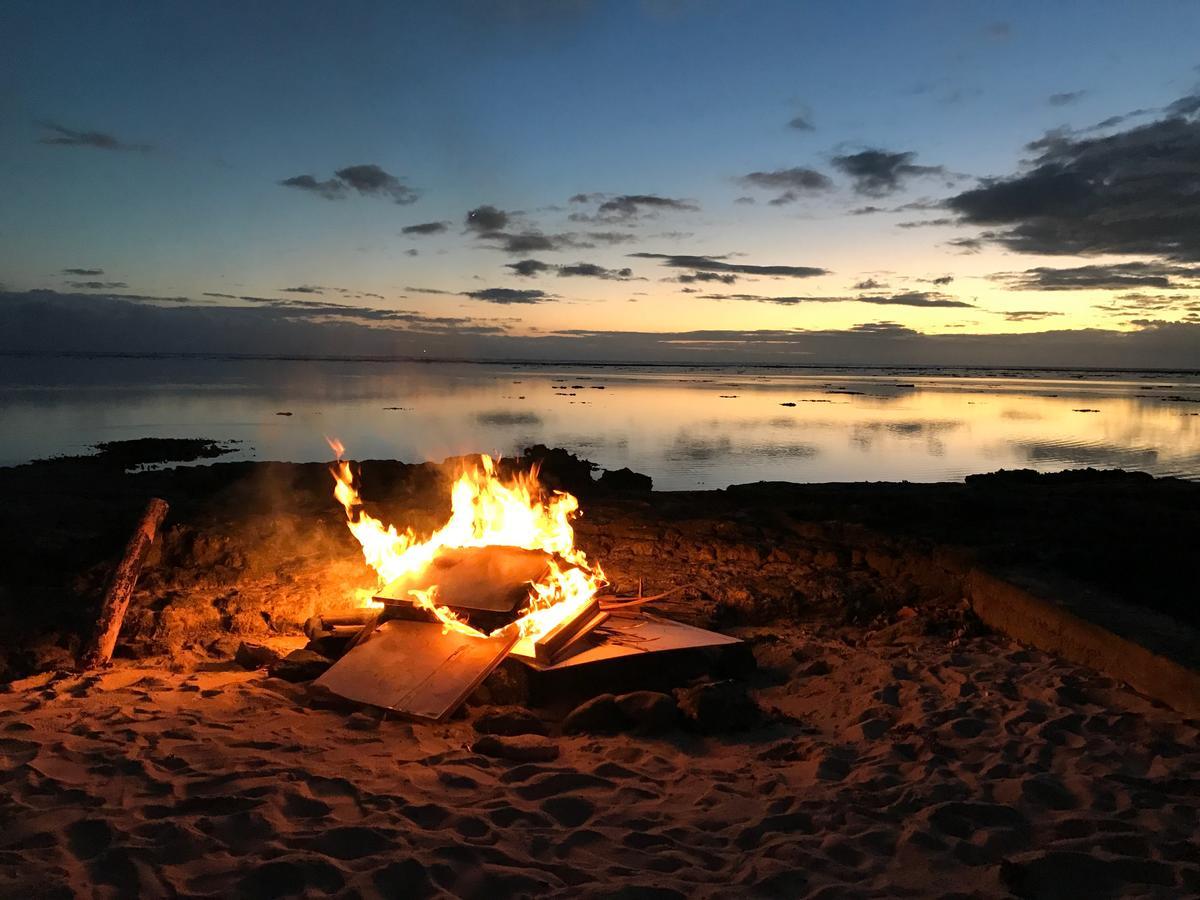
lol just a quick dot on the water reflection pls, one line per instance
(683, 426)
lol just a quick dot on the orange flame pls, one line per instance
(485, 511)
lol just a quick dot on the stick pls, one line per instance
(116, 601)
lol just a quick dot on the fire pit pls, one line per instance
(502, 577)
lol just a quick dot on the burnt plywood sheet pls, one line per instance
(416, 669)
(636, 634)
(492, 579)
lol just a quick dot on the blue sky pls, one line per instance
(520, 106)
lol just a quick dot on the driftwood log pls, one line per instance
(116, 600)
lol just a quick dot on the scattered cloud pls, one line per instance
(304, 289)
(486, 219)
(1000, 31)
(331, 189)
(869, 284)
(591, 270)
(366, 179)
(611, 237)
(691, 278)
(1066, 98)
(46, 321)
(877, 173)
(532, 267)
(1028, 315)
(60, 136)
(1107, 277)
(1136, 191)
(97, 285)
(942, 280)
(425, 228)
(508, 295)
(790, 183)
(802, 122)
(528, 268)
(913, 298)
(628, 207)
(716, 264)
(83, 272)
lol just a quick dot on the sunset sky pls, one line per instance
(775, 182)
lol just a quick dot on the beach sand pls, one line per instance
(890, 762)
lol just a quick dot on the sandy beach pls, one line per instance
(875, 739)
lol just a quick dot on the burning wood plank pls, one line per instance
(487, 579)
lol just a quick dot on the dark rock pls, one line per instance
(626, 480)
(510, 721)
(650, 712)
(224, 647)
(719, 707)
(255, 656)
(600, 715)
(816, 667)
(518, 748)
(300, 665)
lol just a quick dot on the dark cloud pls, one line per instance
(45, 321)
(942, 279)
(367, 179)
(711, 264)
(611, 237)
(425, 290)
(912, 298)
(926, 223)
(1133, 192)
(333, 189)
(61, 136)
(790, 182)
(486, 219)
(532, 267)
(1137, 304)
(591, 270)
(722, 277)
(802, 122)
(629, 206)
(83, 272)
(528, 268)
(530, 241)
(1109, 277)
(867, 210)
(877, 173)
(745, 201)
(869, 284)
(1066, 98)
(372, 181)
(508, 295)
(425, 228)
(303, 289)
(1028, 315)
(97, 285)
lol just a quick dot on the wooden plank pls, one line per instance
(491, 579)
(633, 635)
(416, 669)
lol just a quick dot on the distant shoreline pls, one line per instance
(595, 364)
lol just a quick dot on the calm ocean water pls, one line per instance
(688, 427)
